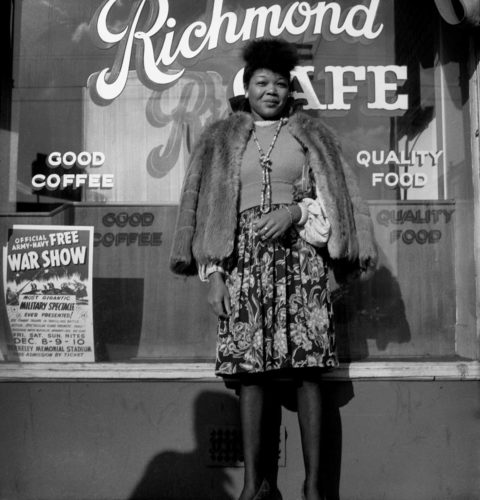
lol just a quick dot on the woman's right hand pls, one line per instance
(218, 296)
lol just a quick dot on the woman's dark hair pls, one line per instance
(274, 54)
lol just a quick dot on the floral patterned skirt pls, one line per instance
(281, 309)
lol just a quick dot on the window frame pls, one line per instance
(367, 370)
(364, 370)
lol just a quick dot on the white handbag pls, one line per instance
(317, 228)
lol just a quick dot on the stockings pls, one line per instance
(260, 413)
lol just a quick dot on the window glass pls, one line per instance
(102, 102)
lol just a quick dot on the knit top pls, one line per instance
(287, 159)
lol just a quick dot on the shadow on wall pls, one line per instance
(374, 310)
(204, 473)
(173, 475)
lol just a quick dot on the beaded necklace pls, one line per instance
(266, 166)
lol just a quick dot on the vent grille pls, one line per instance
(225, 447)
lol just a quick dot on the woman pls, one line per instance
(247, 197)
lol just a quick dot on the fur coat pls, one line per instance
(207, 217)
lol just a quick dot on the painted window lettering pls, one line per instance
(327, 19)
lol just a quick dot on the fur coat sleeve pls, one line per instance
(181, 257)
(367, 259)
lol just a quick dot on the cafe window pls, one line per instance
(96, 133)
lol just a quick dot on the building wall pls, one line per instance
(386, 440)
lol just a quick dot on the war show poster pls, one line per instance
(48, 286)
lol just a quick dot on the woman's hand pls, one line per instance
(218, 296)
(274, 224)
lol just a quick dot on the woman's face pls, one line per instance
(267, 92)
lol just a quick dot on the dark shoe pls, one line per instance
(264, 492)
(275, 495)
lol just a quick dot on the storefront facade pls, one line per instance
(101, 103)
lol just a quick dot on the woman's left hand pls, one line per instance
(272, 225)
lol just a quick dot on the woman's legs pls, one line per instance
(260, 419)
(309, 398)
